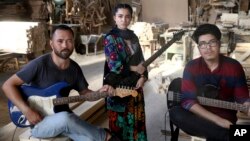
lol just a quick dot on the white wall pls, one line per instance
(13, 36)
(169, 11)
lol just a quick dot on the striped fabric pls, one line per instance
(229, 77)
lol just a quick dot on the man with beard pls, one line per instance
(45, 71)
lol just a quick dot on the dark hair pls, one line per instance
(124, 6)
(62, 27)
(206, 29)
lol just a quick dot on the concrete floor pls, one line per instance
(155, 98)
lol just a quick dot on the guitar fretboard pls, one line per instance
(176, 37)
(211, 102)
(89, 97)
(158, 53)
(222, 104)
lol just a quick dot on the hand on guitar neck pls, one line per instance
(119, 91)
(142, 66)
(43, 101)
(108, 89)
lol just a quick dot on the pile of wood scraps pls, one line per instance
(39, 10)
(199, 11)
(203, 11)
(11, 11)
(8, 61)
(37, 40)
(148, 31)
(242, 53)
(148, 34)
(229, 20)
(90, 15)
(137, 6)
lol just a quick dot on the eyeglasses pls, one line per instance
(211, 43)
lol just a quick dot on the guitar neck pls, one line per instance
(72, 99)
(222, 104)
(158, 53)
(211, 102)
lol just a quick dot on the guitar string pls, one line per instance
(95, 95)
(14, 134)
(178, 98)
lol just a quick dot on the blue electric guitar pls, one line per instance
(45, 100)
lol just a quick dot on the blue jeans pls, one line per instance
(70, 125)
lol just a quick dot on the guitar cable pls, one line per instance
(14, 134)
(165, 119)
(165, 123)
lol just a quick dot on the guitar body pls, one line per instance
(39, 99)
(118, 80)
(49, 100)
(208, 91)
(174, 86)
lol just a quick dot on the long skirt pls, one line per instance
(131, 124)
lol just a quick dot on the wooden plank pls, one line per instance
(242, 47)
(9, 131)
(5, 57)
(243, 119)
(244, 5)
(213, 16)
(244, 56)
(87, 109)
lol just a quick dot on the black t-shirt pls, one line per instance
(43, 73)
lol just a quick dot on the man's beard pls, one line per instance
(64, 54)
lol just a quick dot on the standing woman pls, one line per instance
(124, 68)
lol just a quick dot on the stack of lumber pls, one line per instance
(38, 10)
(148, 35)
(89, 14)
(137, 6)
(10, 11)
(204, 11)
(37, 39)
(147, 31)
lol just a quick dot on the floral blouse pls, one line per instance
(119, 57)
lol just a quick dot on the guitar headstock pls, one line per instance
(177, 36)
(123, 92)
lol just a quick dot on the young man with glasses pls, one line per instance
(228, 79)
